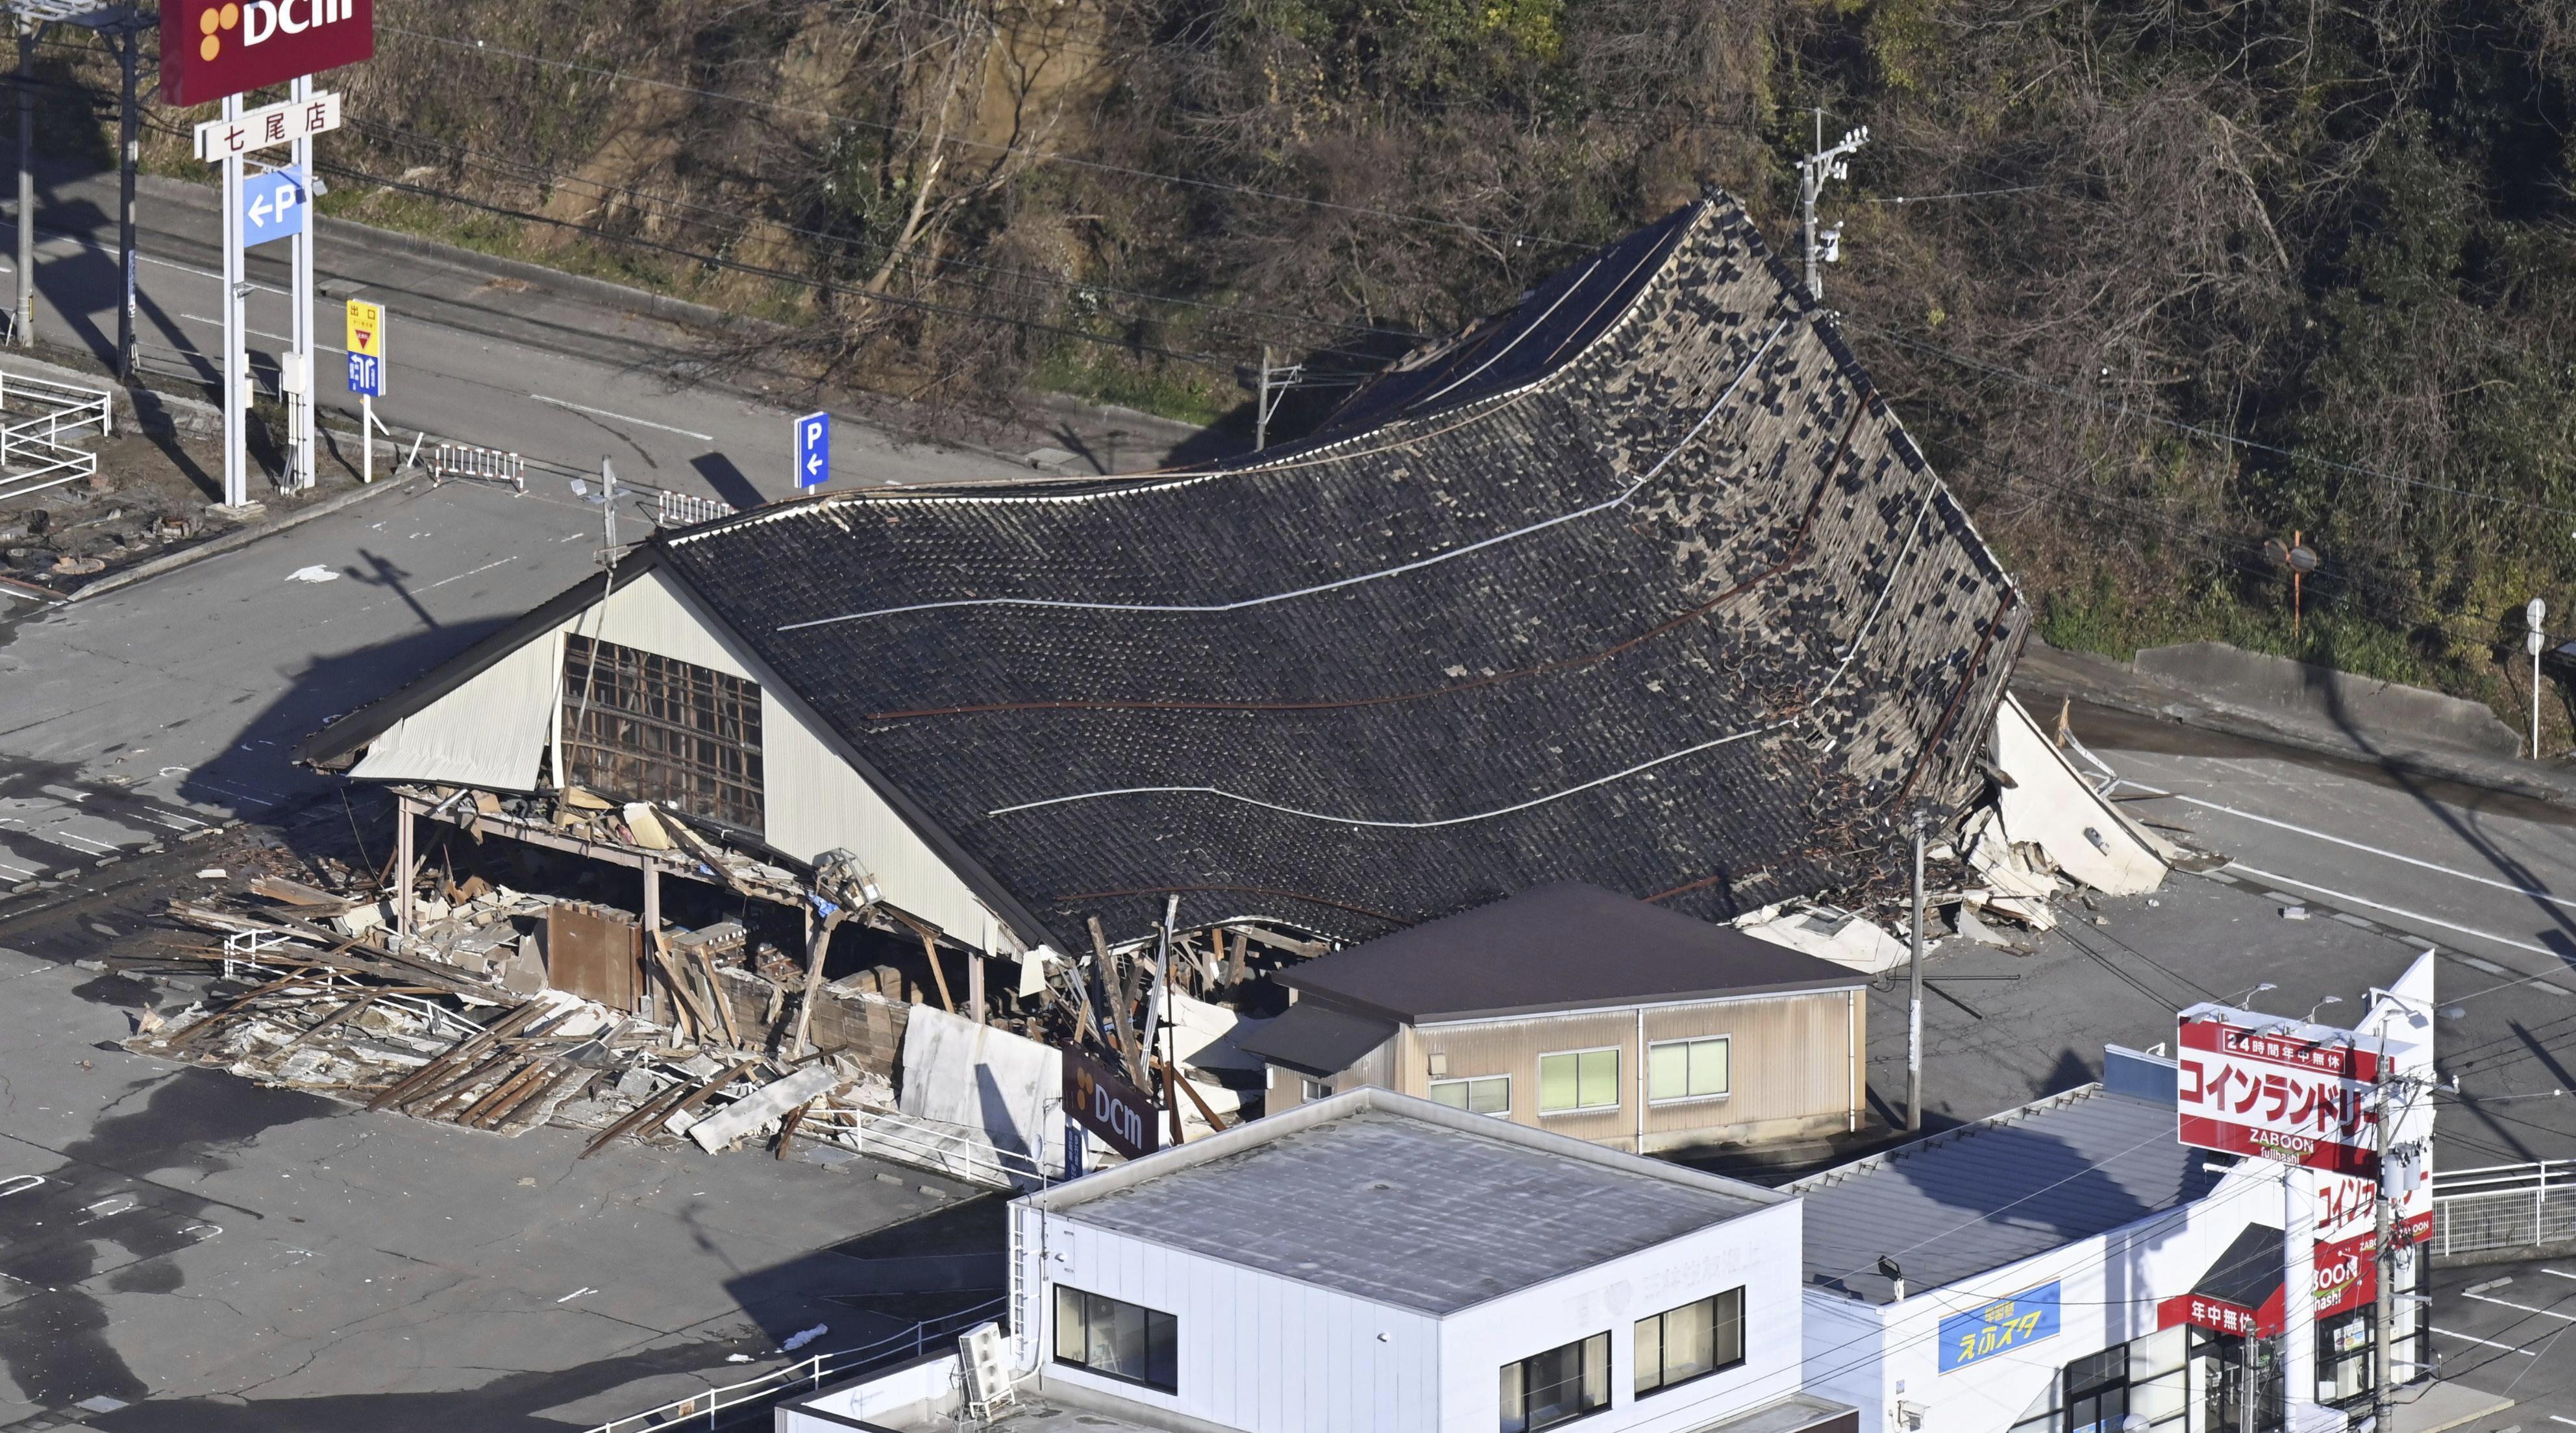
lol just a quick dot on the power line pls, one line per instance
(2196, 430)
(1037, 156)
(530, 172)
(1961, 194)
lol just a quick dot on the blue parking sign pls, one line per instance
(366, 375)
(813, 450)
(272, 205)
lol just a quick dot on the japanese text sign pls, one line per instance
(2216, 1315)
(2248, 1085)
(1990, 1328)
(266, 126)
(366, 328)
(214, 48)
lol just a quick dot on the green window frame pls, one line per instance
(1476, 1094)
(1573, 1081)
(1701, 1068)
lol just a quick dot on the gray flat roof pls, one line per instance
(2000, 1190)
(1403, 1202)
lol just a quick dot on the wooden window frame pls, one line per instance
(640, 726)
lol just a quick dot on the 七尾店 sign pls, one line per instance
(1999, 1324)
(2248, 1086)
(1105, 1104)
(268, 126)
(214, 48)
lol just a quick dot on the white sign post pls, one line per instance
(227, 141)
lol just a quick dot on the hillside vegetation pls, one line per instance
(2167, 277)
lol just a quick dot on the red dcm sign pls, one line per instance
(2247, 1089)
(214, 48)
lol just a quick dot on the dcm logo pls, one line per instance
(260, 19)
(214, 48)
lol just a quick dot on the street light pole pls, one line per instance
(2533, 616)
(129, 152)
(1914, 1011)
(22, 331)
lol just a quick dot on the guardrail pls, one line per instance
(462, 460)
(2504, 1207)
(672, 509)
(711, 1405)
(958, 1151)
(37, 416)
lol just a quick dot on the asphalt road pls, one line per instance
(496, 362)
(2509, 1330)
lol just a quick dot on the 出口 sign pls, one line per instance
(2249, 1085)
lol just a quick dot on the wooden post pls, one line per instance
(652, 941)
(1235, 965)
(404, 869)
(930, 952)
(817, 940)
(975, 984)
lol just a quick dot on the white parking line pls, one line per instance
(2490, 1343)
(2555, 1418)
(622, 418)
(2526, 1308)
(2558, 1274)
(2393, 910)
(2311, 831)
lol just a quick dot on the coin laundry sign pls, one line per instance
(214, 48)
(2249, 1084)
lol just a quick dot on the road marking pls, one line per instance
(2558, 1273)
(2555, 1418)
(2488, 1342)
(622, 418)
(486, 567)
(262, 333)
(2396, 911)
(2358, 846)
(2526, 1308)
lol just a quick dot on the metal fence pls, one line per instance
(2504, 1207)
(672, 509)
(709, 1410)
(461, 460)
(38, 421)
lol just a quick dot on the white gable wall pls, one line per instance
(491, 730)
(1758, 1251)
(1876, 1355)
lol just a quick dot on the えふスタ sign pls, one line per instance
(214, 48)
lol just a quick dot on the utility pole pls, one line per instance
(1267, 385)
(1914, 1012)
(1819, 166)
(22, 329)
(2532, 642)
(129, 152)
(2383, 1254)
(237, 380)
(300, 453)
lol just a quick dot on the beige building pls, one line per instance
(1577, 1010)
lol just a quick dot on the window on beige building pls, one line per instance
(1578, 1080)
(1480, 1095)
(1687, 1069)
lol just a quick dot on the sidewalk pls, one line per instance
(2047, 674)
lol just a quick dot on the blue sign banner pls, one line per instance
(366, 375)
(813, 450)
(1990, 1328)
(272, 206)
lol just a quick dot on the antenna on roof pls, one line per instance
(1813, 171)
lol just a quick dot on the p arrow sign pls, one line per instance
(272, 205)
(813, 451)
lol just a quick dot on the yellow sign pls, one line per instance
(366, 329)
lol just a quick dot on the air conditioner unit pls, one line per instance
(984, 1366)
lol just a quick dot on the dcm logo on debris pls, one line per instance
(214, 48)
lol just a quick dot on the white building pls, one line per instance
(1374, 1261)
(2071, 1267)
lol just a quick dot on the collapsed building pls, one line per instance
(1641, 585)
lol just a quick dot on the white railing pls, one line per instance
(462, 460)
(958, 1151)
(2504, 1206)
(672, 509)
(713, 1403)
(38, 418)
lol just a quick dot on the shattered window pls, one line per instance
(641, 727)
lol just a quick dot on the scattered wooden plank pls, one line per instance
(701, 1094)
(665, 1101)
(197, 1029)
(767, 1103)
(787, 1130)
(336, 1018)
(469, 1048)
(1188, 1087)
(323, 904)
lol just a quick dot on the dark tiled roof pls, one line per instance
(1637, 587)
(1316, 1039)
(1998, 1191)
(1563, 946)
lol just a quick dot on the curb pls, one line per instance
(234, 541)
(2254, 726)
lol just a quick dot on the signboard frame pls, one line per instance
(215, 49)
(1996, 1325)
(2303, 1101)
(1103, 1102)
(259, 193)
(813, 451)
